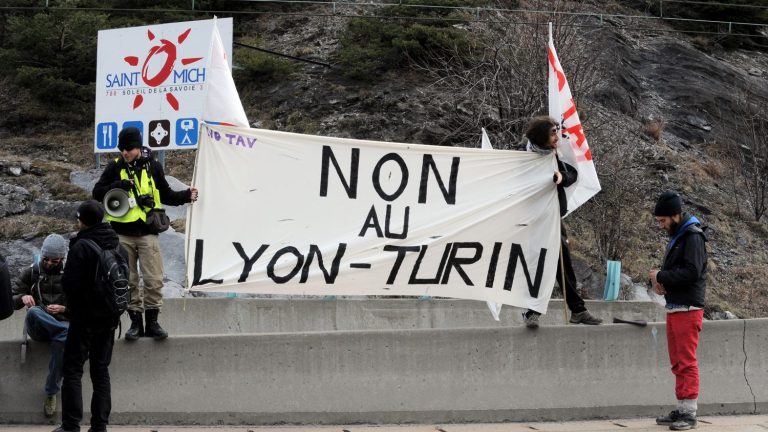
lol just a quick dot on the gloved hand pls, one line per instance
(125, 185)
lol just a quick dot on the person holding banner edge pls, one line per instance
(543, 136)
(144, 181)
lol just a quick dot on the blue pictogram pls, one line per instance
(138, 124)
(106, 136)
(186, 132)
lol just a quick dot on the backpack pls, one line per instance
(111, 284)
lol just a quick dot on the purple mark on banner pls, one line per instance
(240, 140)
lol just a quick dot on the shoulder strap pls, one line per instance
(34, 273)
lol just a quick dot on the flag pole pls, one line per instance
(562, 282)
(562, 264)
(188, 224)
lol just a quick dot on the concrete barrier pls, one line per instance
(196, 316)
(399, 376)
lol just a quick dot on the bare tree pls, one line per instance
(619, 163)
(499, 80)
(751, 152)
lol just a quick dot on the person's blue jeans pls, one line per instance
(43, 327)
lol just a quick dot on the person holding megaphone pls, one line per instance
(133, 188)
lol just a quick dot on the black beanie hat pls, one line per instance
(668, 204)
(129, 138)
(90, 213)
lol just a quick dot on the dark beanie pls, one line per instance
(90, 213)
(129, 138)
(668, 204)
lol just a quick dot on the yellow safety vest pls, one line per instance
(144, 186)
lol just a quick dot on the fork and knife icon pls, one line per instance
(106, 130)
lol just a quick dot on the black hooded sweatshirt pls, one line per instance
(80, 275)
(684, 273)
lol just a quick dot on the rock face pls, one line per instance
(20, 253)
(54, 208)
(13, 199)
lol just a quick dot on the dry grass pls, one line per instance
(180, 164)
(748, 288)
(30, 226)
(713, 168)
(54, 181)
(758, 228)
(654, 129)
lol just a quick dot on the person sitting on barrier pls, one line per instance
(144, 181)
(682, 281)
(39, 289)
(543, 137)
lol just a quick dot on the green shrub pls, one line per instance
(51, 85)
(371, 46)
(256, 66)
(52, 55)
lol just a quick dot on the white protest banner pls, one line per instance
(153, 78)
(298, 214)
(573, 146)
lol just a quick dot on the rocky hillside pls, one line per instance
(661, 109)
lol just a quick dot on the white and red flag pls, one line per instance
(573, 148)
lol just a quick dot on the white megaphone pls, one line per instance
(117, 202)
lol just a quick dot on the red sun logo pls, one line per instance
(167, 49)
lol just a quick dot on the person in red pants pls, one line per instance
(682, 281)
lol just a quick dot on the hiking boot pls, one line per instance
(668, 419)
(684, 422)
(137, 326)
(152, 328)
(531, 320)
(585, 318)
(50, 406)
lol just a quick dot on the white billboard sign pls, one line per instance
(153, 78)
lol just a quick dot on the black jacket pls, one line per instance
(6, 300)
(110, 179)
(570, 175)
(44, 286)
(80, 275)
(684, 273)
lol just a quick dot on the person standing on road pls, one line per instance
(91, 331)
(682, 281)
